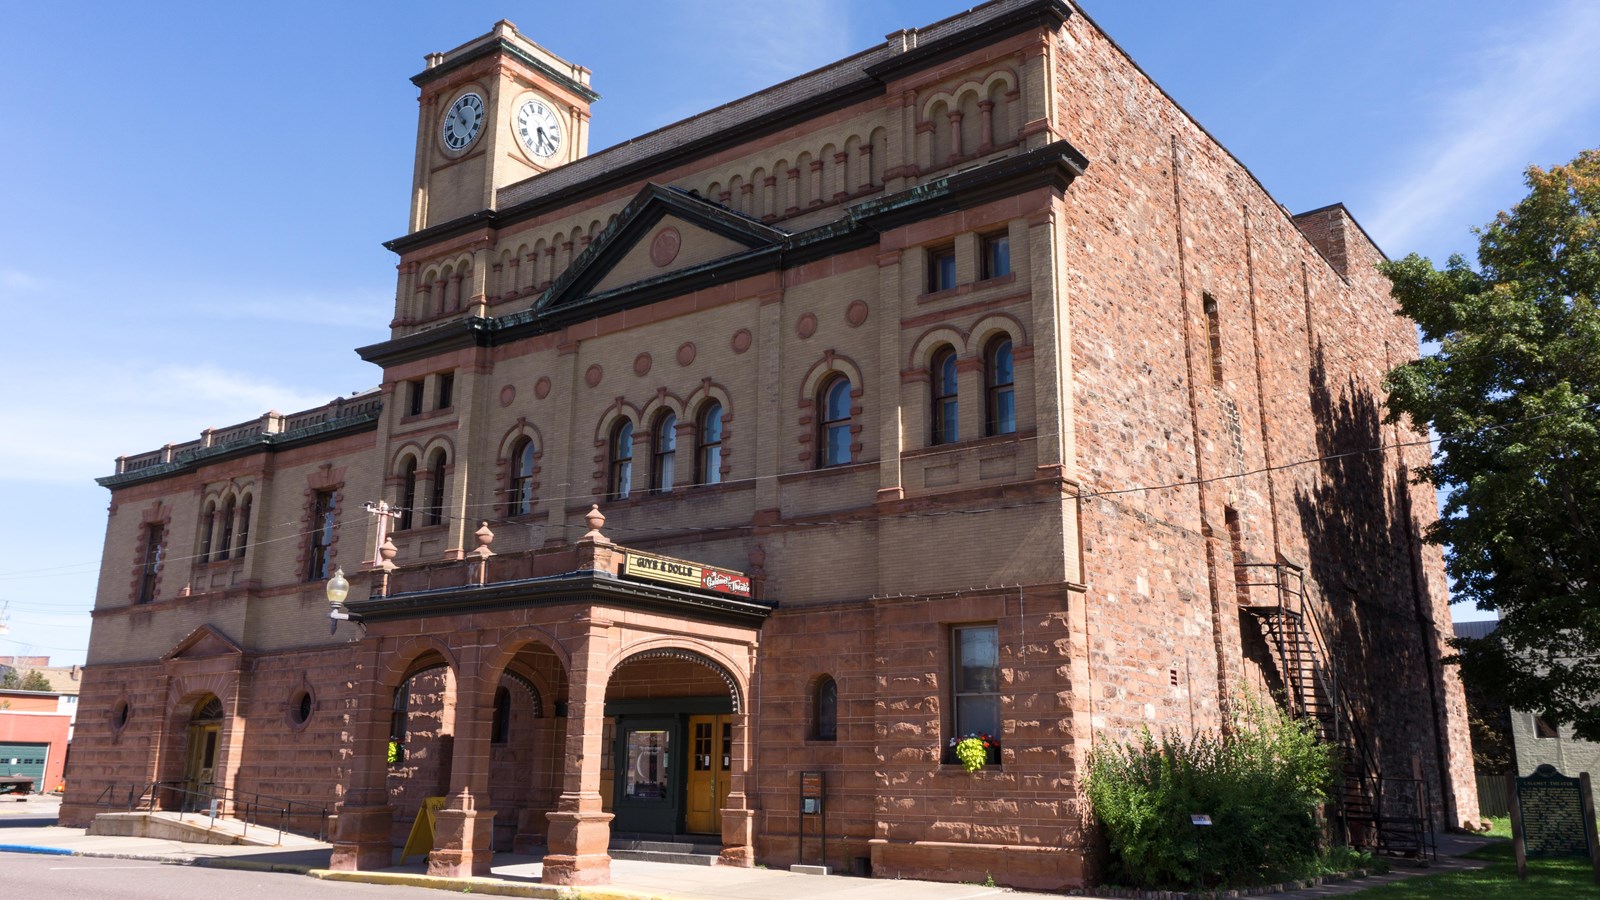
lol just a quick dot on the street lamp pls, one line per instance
(338, 589)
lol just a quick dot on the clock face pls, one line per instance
(463, 121)
(538, 128)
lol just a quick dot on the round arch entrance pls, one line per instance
(204, 733)
(669, 732)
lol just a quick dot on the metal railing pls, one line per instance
(210, 802)
(1342, 727)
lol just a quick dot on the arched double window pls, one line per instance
(708, 454)
(436, 487)
(833, 436)
(942, 370)
(520, 499)
(1000, 378)
(665, 452)
(619, 476)
(225, 545)
(408, 493)
(208, 524)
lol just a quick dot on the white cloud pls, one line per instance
(1530, 86)
(18, 280)
(74, 431)
(344, 311)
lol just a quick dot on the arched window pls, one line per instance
(666, 453)
(408, 493)
(243, 543)
(834, 432)
(708, 457)
(225, 543)
(436, 488)
(619, 480)
(1000, 378)
(500, 724)
(208, 523)
(825, 710)
(943, 375)
(521, 493)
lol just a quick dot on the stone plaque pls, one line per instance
(1552, 814)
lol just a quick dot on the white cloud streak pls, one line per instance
(74, 432)
(1529, 87)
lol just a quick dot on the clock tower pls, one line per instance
(492, 112)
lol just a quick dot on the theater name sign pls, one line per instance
(685, 573)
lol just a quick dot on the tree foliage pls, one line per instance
(33, 681)
(1512, 394)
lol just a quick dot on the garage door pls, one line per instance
(24, 759)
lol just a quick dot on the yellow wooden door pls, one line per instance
(708, 773)
(200, 772)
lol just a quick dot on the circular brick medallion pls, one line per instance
(806, 327)
(664, 248)
(856, 313)
(541, 388)
(593, 375)
(741, 340)
(686, 353)
(508, 395)
(641, 365)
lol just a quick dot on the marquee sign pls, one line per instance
(685, 573)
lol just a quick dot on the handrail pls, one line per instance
(1324, 672)
(246, 807)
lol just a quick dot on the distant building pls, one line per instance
(36, 726)
(1536, 741)
(963, 385)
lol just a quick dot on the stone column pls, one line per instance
(463, 834)
(738, 819)
(580, 832)
(361, 839)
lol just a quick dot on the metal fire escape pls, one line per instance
(1382, 813)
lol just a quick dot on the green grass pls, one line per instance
(1547, 878)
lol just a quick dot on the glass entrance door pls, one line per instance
(649, 778)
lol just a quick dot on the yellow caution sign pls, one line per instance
(420, 843)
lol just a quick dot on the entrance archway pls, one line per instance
(670, 716)
(200, 755)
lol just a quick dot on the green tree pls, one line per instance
(10, 680)
(35, 681)
(1512, 394)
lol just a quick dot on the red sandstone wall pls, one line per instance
(1164, 218)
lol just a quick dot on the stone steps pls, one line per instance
(679, 852)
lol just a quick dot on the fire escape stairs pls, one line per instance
(1380, 813)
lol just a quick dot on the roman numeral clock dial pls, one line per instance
(462, 122)
(538, 128)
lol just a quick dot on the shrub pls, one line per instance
(1262, 782)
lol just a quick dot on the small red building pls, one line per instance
(33, 737)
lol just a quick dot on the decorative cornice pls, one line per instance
(582, 587)
(1054, 165)
(501, 45)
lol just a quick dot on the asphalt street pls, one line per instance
(82, 878)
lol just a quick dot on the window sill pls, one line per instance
(1015, 437)
(420, 530)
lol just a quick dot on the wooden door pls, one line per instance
(200, 772)
(710, 738)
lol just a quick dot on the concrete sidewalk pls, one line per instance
(29, 827)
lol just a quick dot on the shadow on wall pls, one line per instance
(1362, 569)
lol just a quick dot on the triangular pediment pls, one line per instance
(661, 234)
(203, 643)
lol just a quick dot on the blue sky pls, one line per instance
(193, 196)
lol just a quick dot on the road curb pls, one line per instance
(30, 848)
(491, 886)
